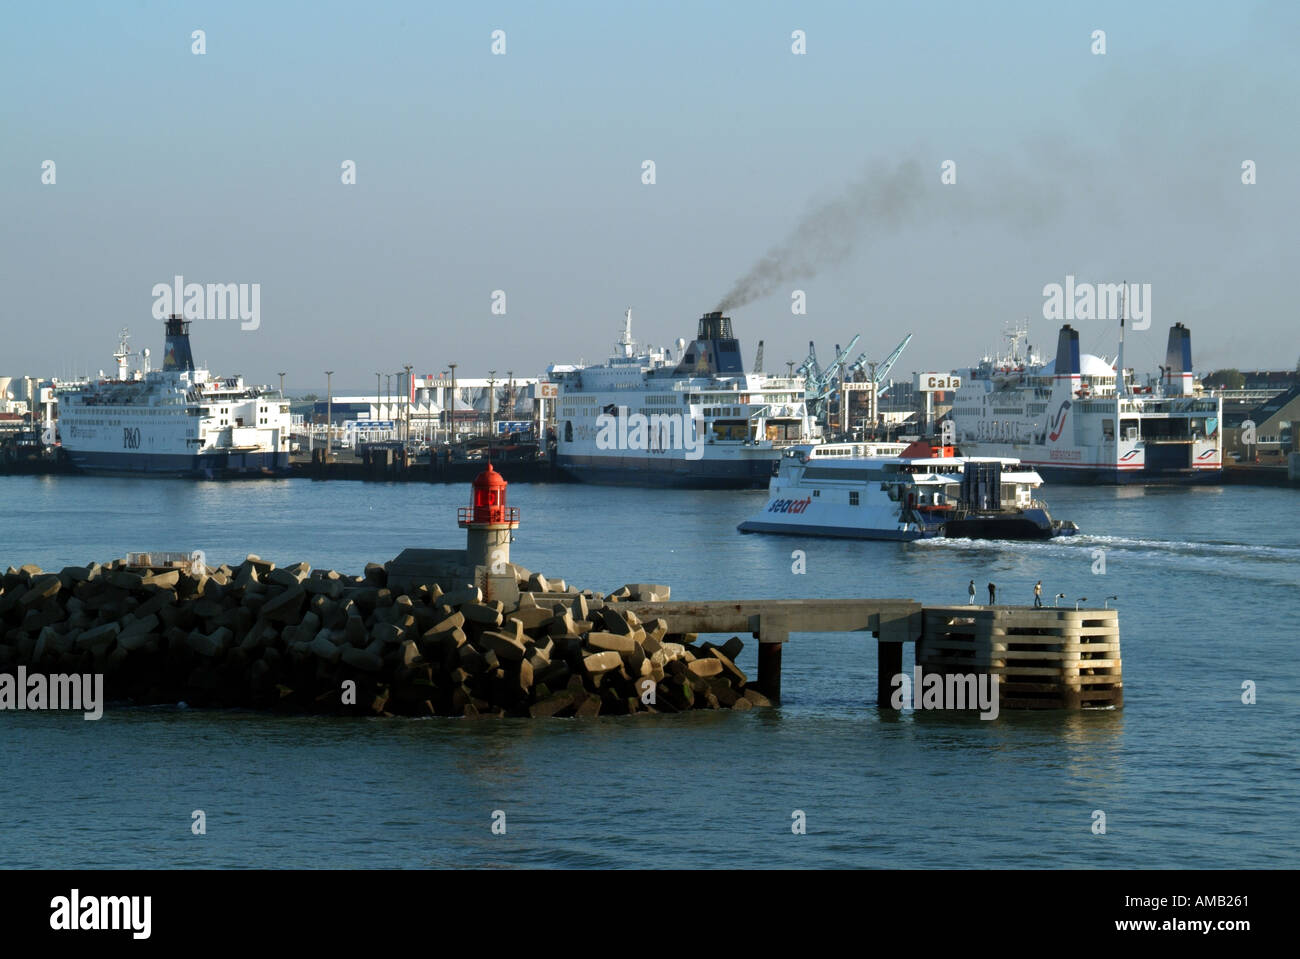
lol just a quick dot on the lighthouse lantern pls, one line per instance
(489, 524)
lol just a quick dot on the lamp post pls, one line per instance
(451, 415)
(410, 388)
(329, 414)
(492, 395)
(510, 394)
(397, 419)
(445, 374)
(874, 409)
(388, 393)
(379, 395)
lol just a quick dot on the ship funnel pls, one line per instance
(715, 349)
(1067, 352)
(714, 326)
(1178, 361)
(177, 355)
(4, 387)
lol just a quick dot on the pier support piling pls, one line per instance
(889, 659)
(769, 670)
(771, 639)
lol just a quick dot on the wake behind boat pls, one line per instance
(902, 492)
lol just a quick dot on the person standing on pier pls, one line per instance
(971, 591)
(993, 594)
(1038, 595)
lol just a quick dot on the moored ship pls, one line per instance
(1082, 419)
(696, 419)
(893, 491)
(178, 421)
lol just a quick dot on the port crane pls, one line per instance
(882, 369)
(809, 369)
(821, 384)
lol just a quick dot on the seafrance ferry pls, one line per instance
(1076, 419)
(903, 492)
(178, 421)
(696, 419)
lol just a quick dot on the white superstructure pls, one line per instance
(903, 492)
(178, 420)
(647, 418)
(1076, 418)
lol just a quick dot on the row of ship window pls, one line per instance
(133, 410)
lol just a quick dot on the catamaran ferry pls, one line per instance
(178, 421)
(697, 419)
(1080, 418)
(903, 492)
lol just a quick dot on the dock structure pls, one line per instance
(1046, 658)
(771, 621)
(1042, 658)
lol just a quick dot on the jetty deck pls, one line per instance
(1045, 657)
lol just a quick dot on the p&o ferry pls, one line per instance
(179, 421)
(693, 418)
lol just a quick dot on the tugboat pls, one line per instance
(904, 492)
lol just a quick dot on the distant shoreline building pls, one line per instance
(502, 405)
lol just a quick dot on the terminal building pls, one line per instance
(437, 409)
(1269, 424)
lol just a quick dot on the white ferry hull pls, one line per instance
(837, 522)
(1144, 465)
(177, 421)
(1081, 419)
(875, 492)
(697, 422)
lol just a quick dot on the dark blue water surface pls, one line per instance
(1208, 582)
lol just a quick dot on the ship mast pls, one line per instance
(626, 345)
(123, 352)
(1119, 360)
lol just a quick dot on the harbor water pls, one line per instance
(1186, 774)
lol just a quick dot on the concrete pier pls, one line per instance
(771, 621)
(1041, 658)
(1045, 658)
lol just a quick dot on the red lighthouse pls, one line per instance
(488, 522)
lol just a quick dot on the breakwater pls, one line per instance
(294, 639)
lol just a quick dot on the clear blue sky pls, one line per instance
(523, 173)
